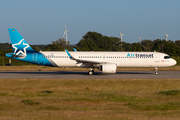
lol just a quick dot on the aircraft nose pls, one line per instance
(173, 62)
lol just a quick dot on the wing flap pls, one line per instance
(88, 61)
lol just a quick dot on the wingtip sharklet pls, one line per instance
(70, 56)
(74, 49)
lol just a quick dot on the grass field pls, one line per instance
(45, 68)
(89, 99)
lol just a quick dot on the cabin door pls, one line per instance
(34, 56)
(157, 58)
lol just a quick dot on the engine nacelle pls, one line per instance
(109, 68)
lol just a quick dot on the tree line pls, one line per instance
(93, 41)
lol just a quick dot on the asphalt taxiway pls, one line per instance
(84, 75)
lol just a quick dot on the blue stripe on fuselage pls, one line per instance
(34, 57)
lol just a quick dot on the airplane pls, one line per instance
(107, 62)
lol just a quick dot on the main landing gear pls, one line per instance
(91, 72)
(156, 72)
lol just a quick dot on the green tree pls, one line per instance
(159, 45)
(168, 47)
(97, 42)
(177, 42)
(171, 48)
(58, 45)
(86, 45)
(38, 47)
(147, 45)
(136, 47)
(126, 47)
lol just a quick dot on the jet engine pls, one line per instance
(108, 68)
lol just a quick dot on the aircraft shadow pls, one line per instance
(44, 72)
(134, 72)
(73, 72)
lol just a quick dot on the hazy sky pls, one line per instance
(42, 21)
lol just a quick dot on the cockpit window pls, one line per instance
(167, 57)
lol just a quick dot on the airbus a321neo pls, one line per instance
(107, 62)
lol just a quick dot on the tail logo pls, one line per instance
(20, 48)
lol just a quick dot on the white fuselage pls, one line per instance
(121, 59)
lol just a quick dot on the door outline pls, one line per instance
(157, 58)
(34, 56)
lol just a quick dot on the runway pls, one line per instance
(84, 75)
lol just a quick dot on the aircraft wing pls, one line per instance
(86, 63)
(81, 60)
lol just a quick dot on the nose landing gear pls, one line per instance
(91, 72)
(156, 72)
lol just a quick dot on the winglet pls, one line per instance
(70, 56)
(74, 49)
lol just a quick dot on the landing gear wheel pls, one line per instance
(91, 72)
(156, 73)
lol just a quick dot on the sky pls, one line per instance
(43, 21)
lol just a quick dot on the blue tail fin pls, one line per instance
(19, 44)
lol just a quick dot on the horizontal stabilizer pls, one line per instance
(12, 55)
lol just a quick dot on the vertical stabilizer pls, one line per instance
(19, 44)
